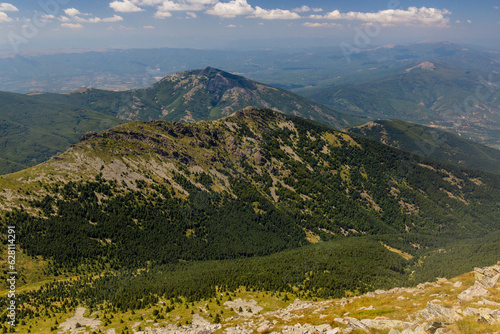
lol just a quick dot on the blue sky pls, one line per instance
(92, 24)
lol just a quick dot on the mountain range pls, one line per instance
(207, 199)
(433, 93)
(253, 183)
(204, 94)
(290, 68)
(38, 126)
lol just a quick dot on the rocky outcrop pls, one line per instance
(188, 329)
(437, 312)
(486, 278)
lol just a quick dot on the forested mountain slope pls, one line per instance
(203, 94)
(431, 142)
(254, 183)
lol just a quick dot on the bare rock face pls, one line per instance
(355, 324)
(492, 317)
(473, 292)
(189, 329)
(486, 278)
(437, 312)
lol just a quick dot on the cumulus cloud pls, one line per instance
(73, 12)
(305, 9)
(74, 15)
(241, 7)
(125, 6)
(4, 17)
(163, 7)
(231, 9)
(322, 25)
(235, 8)
(274, 14)
(6, 7)
(411, 16)
(72, 25)
(114, 18)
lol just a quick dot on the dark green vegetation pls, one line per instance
(195, 95)
(32, 131)
(330, 269)
(164, 196)
(438, 93)
(431, 142)
(37, 127)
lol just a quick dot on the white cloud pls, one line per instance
(74, 16)
(231, 9)
(125, 6)
(322, 25)
(235, 8)
(72, 25)
(162, 15)
(231, 26)
(7, 7)
(4, 17)
(148, 27)
(274, 14)
(469, 21)
(163, 7)
(126, 28)
(72, 12)
(303, 9)
(412, 16)
(168, 6)
(114, 18)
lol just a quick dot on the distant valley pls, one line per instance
(438, 94)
